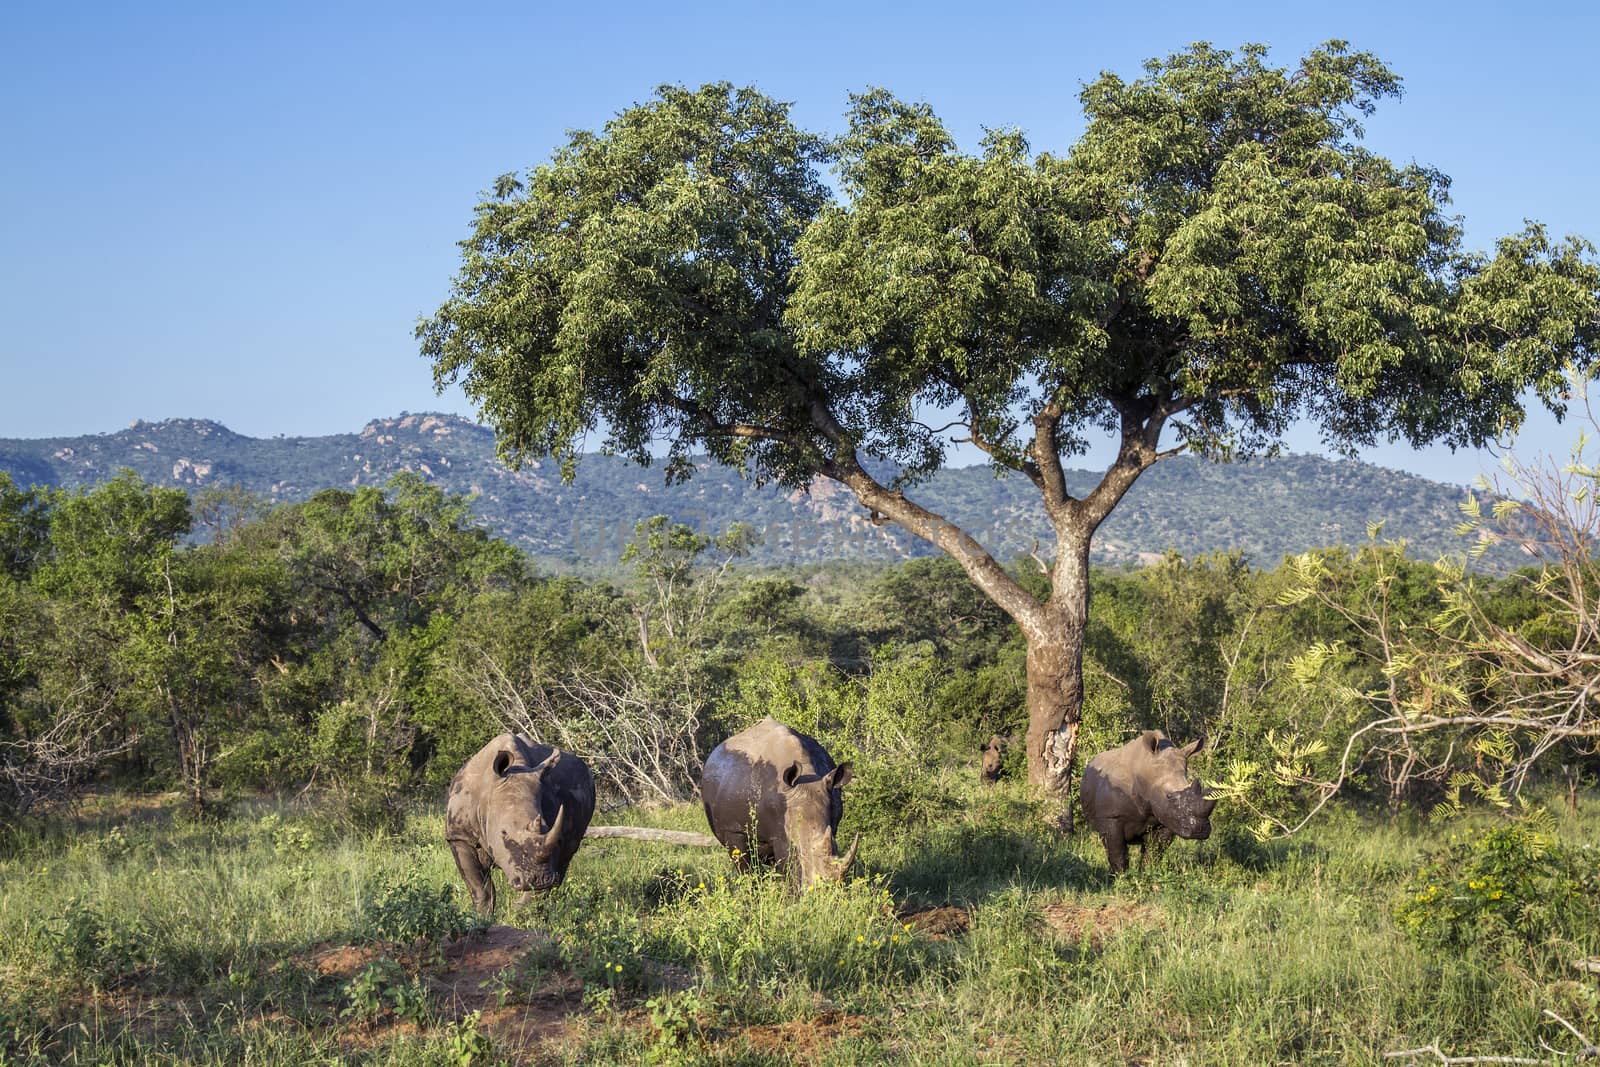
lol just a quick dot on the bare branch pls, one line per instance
(646, 833)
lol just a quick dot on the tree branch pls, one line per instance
(940, 532)
(1050, 478)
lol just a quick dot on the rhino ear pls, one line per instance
(1151, 739)
(841, 775)
(549, 761)
(791, 775)
(1194, 746)
(502, 762)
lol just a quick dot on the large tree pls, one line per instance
(1216, 257)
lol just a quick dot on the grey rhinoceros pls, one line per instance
(1141, 789)
(521, 806)
(785, 787)
(993, 751)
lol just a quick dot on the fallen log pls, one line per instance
(660, 837)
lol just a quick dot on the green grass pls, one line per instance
(132, 937)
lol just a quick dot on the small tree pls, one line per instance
(1452, 678)
(1215, 257)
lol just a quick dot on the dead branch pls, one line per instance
(1433, 1050)
(640, 741)
(50, 767)
(645, 833)
(1589, 1050)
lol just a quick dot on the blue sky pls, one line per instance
(239, 212)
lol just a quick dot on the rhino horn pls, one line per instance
(554, 836)
(849, 856)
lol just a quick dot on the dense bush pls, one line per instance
(367, 643)
(413, 909)
(1511, 885)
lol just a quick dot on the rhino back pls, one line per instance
(745, 771)
(1114, 787)
(570, 785)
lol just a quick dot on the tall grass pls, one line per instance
(1229, 951)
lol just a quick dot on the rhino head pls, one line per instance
(811, 813)
(1180, 804)
(993, 753)
(529, 852)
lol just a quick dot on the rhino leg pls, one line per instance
(1157, 839)
(477, 875)
(1116, 849)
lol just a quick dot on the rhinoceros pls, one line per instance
(521, 806)
(786, 784)
(1141, 789)
(993, 752)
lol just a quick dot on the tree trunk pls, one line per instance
(1055, 675)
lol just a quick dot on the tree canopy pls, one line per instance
(1216, 256)
(1217, 251)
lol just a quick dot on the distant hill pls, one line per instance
(1265, 508)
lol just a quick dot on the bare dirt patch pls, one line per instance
(342, 961)
(1097, 922)
(523, 1006)
(803, 1040)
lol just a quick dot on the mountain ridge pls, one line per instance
(1266, 508)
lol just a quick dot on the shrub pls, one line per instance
(1512, 883)
(607, 953)
(679, 1033)
(383, 986)
(105, 950)
(413, 910)
(886, 801)
(750, 930)
(466, 1045)
(23, 1033)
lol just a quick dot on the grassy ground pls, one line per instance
(127, 936)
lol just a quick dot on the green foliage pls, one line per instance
(1275, 787)
(100, 949)
(1512, 888)
(288, 838)
(383, 987)
(1214, 257)
(413, 908)
(24, 1033)
(691, 205)
(889, 800)
(676, 1017)
(24, 527)
(466, 1045)
(812, 697)
(749, 930)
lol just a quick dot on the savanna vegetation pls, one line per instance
(227, 728)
